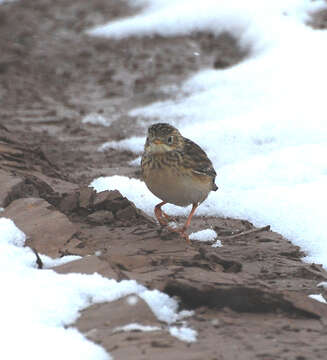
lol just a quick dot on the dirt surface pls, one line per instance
(249, 297)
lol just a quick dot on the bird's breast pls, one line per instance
(174, 184)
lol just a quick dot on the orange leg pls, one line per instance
(188, 221)
(169, 218)
(187, 224)
(159, 214)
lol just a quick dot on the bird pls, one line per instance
(177, 171)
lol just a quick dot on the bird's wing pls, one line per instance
(196, 159)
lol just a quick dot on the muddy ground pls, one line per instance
(249, 297)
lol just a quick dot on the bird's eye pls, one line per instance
(170, 139)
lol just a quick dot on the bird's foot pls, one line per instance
(181, 232)
(169, 218)
(159, 215)
(163, 218)
(185, 236)
(162, 222)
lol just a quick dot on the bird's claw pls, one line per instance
(181, 232)
(169, 218)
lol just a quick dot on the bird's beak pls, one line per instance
(157, 141)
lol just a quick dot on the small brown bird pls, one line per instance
(177, 171)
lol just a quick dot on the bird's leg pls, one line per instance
(168, 218)
(186, 225)
(159, 214)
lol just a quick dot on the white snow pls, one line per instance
(136, 161)
(183, 333)
(163, 306)
(323, 284)
(96, 119)
(134, 143)
(206, 235)
(48, 262)
(244, 19)
(132, 300)
(262, 122)
(318, 297)
(136, 327)
(10, 234)
(41, 304)
(217, 243)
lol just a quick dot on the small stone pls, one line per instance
(101, 217)
(143, 216)
(118, 204)
(8, 184)
(47, 229)
(104, 198)
(127, 213)
(69, 203)
(86, 197)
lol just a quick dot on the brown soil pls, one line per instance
(249, 297)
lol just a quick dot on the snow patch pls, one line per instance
(52, 301)
(10, 234)
(132, 300)
(48, 262)
(206, 235)
(318, 297)
(96, 119)
(135, 162)
(217, 243)
(262, 122)
(136, 327)
(134, 144)
(183, 333)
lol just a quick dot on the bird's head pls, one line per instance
(163, 137)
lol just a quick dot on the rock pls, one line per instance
(127, 213)
(128, 263)
(111, 200)
(104, 324)
(87, 265)
(309, 307)
(32, 186)
(26, 186)
(118, 204)
(8, 184)
(86, 197)
(47, 229)
(147, 219)
(59, 186)
(101, 217)
(103, 199)
(241, 297)
(69, 203)
(130, 309)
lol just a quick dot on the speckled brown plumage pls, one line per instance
(176, 170)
